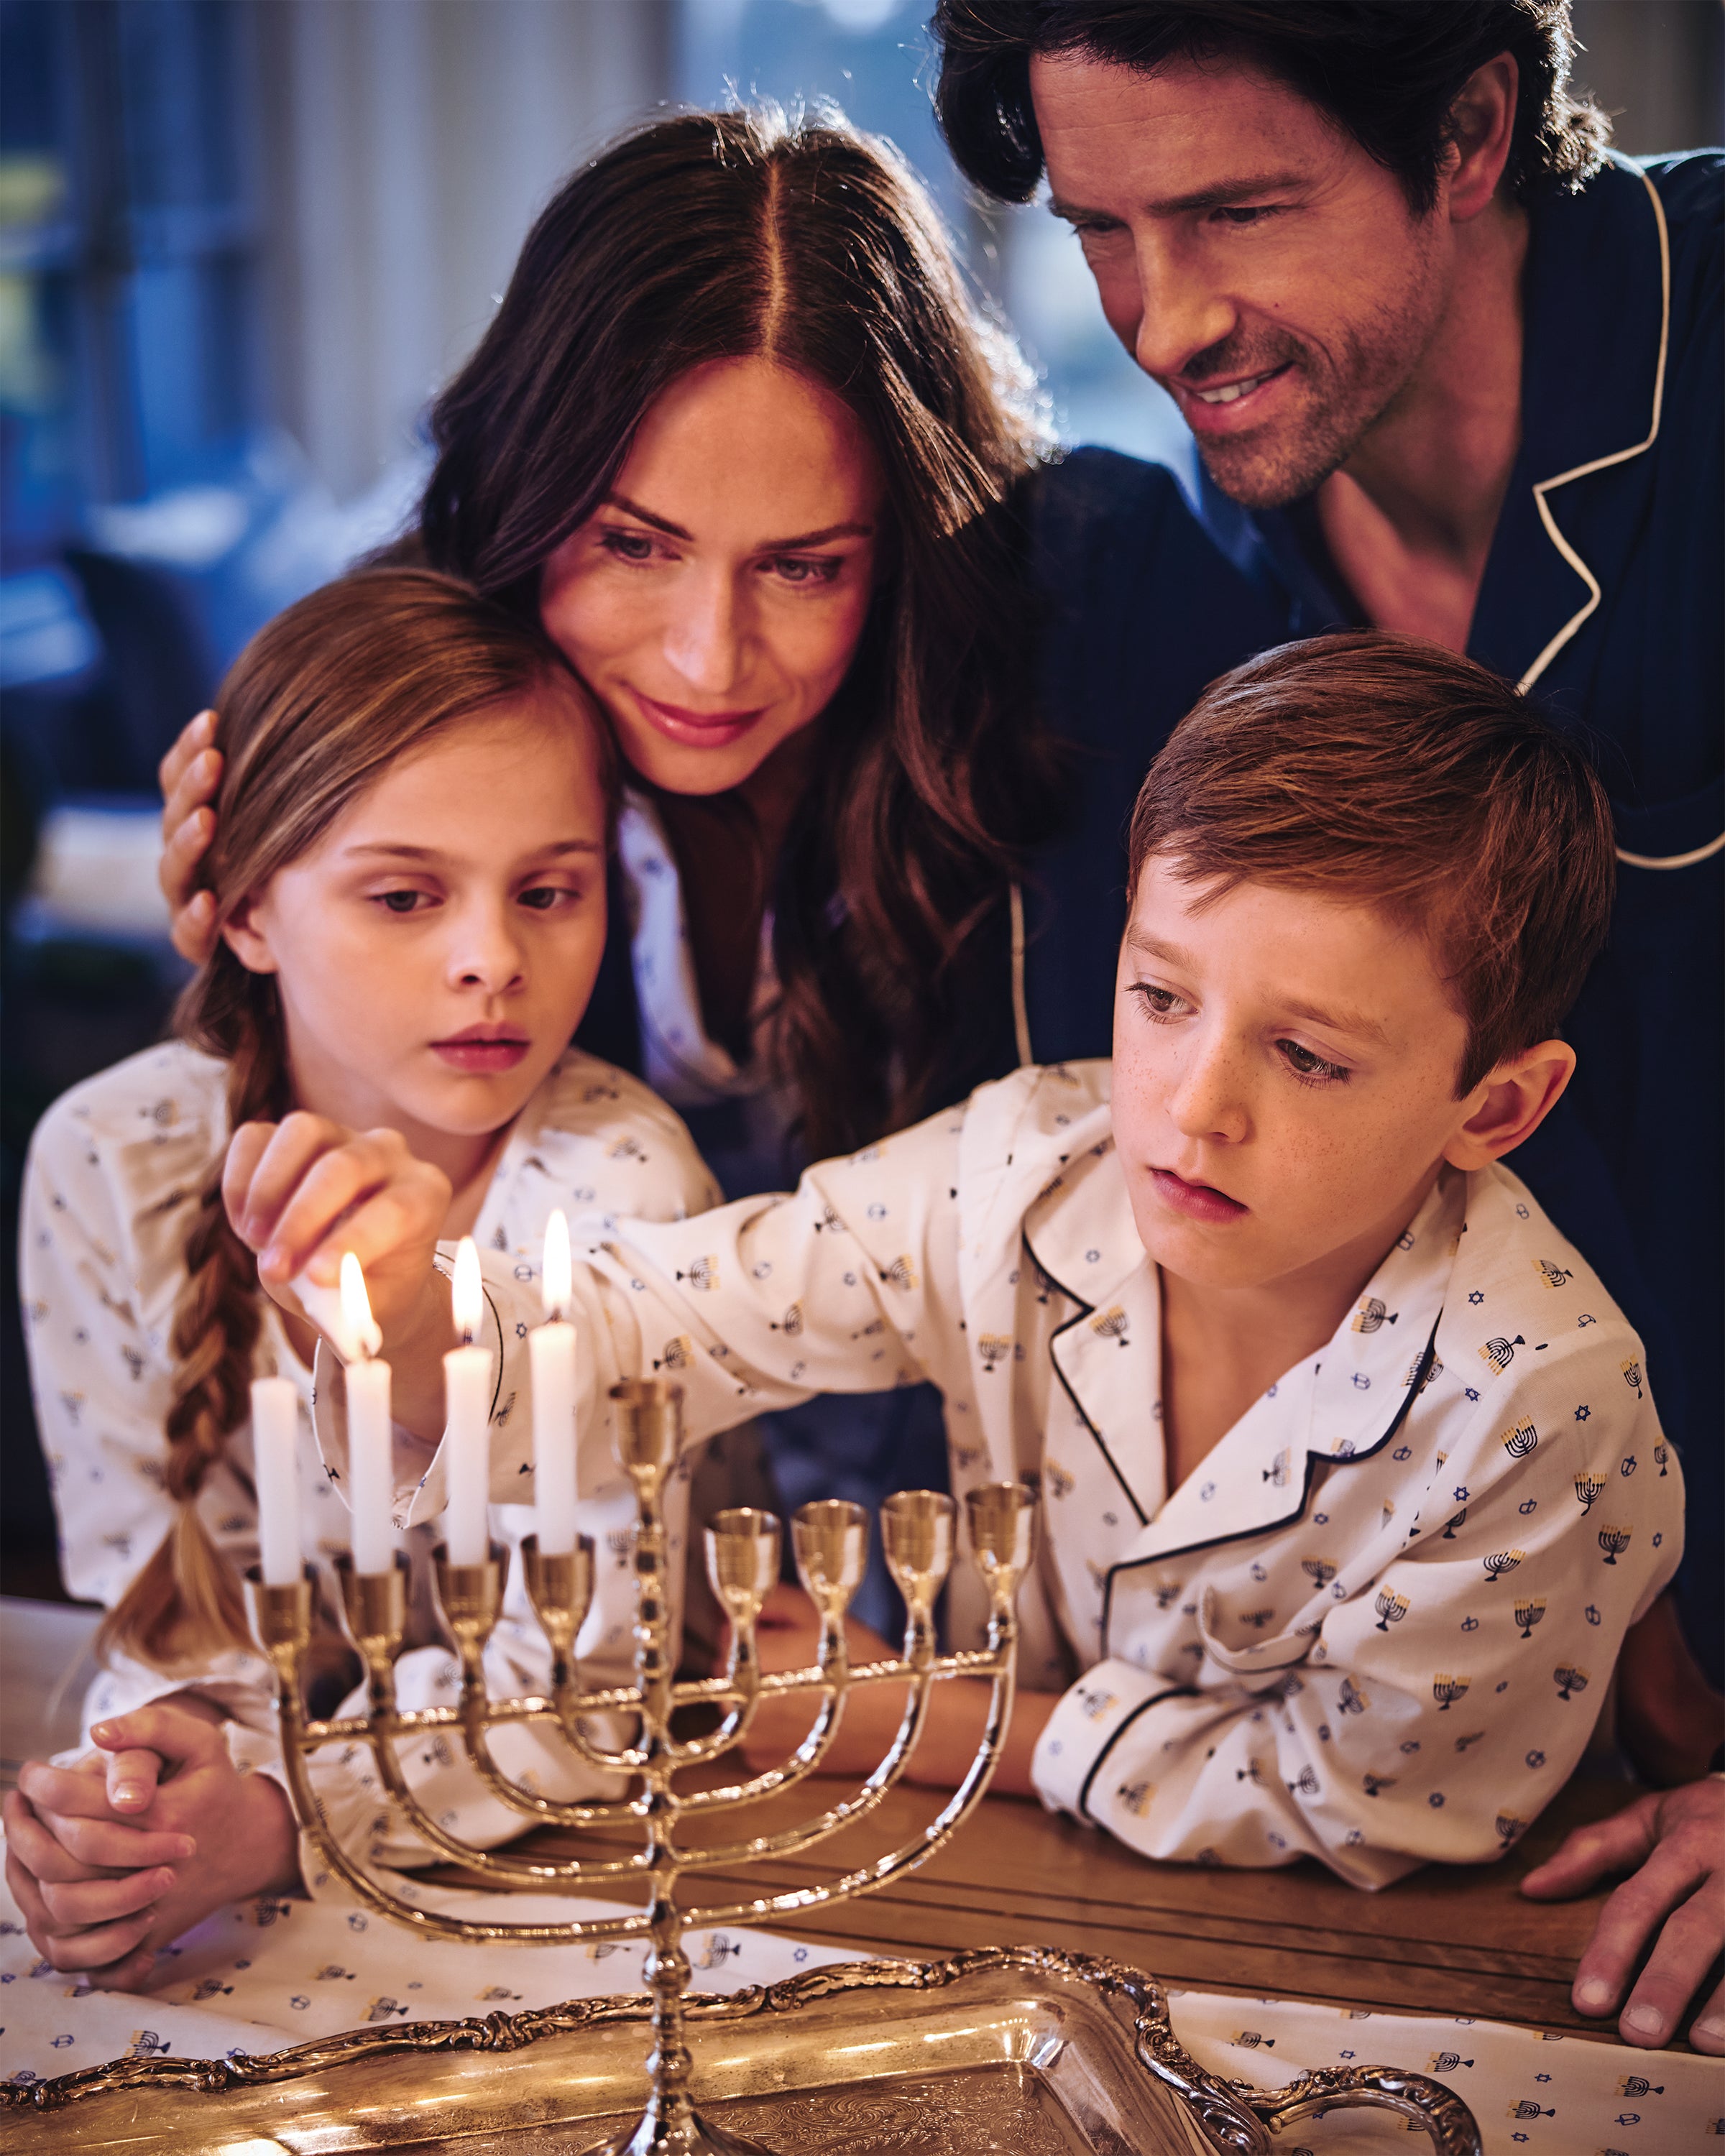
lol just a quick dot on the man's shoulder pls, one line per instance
(1091, 489)
(1691, 187)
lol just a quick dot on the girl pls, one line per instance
(409, 892)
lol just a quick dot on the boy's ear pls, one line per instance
(1510, 1103)
(247, 943)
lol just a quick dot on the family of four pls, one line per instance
(760, 705)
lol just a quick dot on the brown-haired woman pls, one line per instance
(409, 883)
(741, 439)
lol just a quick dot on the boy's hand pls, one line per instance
(302, 1191)
(102, 1893)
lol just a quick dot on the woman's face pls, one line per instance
(714, 598)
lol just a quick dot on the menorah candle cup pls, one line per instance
(830, 1540)
(1003, 1536)
(917, 1528)
(280, 1612)
(649, 1428)
(742, 1553)
(375, 1606)
(560, 1587)
(470, 1595)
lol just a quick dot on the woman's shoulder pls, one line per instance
(609, 1143)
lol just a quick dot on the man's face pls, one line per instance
(1250, 255)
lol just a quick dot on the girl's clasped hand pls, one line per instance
(408, 934)
(111, 1858)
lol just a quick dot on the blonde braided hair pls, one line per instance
(317, 705)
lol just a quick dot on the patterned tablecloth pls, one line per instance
(261, 1975)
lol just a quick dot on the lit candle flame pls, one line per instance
(467, 1297)
(557, 1285)
(364, 1335)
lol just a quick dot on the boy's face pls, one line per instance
(436, 949)
(1285, 1070)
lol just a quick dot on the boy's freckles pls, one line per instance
(1294, 1053)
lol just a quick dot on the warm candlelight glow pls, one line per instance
(362, 1334)
(467, 1296)
(557, 1284)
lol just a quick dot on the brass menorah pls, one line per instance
(830, 1543)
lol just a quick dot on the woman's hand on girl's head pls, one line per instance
(189, 775)
(103, 1893)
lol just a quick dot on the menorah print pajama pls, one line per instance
(1373, 1626)
(113, 1182)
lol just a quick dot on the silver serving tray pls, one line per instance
(1006, 2051)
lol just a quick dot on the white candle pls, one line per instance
(275, 1473)
(550, 1348)
(467, 1429)
(370, 1443)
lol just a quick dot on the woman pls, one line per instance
(739, 437)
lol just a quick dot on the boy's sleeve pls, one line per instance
(1451, 1680)
(848, 1284)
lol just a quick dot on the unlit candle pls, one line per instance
(550, 1349)
(467, 1428)
(275, 1473)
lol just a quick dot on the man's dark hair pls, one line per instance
(1387, 71)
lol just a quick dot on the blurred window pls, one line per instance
(129, 241)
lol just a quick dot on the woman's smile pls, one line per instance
(697, 729)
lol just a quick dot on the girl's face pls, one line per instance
(436, 948)
(714, 600)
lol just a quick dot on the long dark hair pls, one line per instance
(712, 236)
(317, 706)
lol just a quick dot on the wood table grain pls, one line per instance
(1446, 1940)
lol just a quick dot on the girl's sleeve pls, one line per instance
(103, 1384)
(1434, 1698)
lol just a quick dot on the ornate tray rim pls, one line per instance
(1235, 2115)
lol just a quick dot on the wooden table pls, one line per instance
(1447, 1940)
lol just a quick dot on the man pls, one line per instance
(1452, 370)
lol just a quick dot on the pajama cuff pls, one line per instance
(1088, 1720)
(420, 1493)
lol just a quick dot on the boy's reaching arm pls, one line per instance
(848, 1284)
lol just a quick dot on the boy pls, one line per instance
(1352, 1480)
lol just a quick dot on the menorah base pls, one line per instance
(691, 2137)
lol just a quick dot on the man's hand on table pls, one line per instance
(1672, 1842)
(789, 1639)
